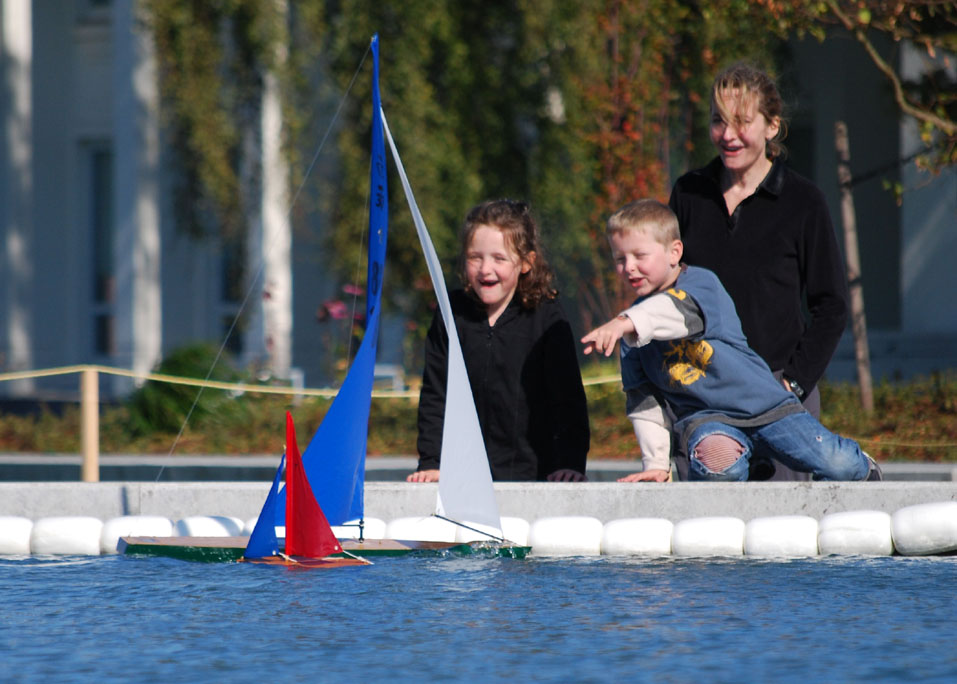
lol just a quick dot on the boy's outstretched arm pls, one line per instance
(653, 430)
(669, 315)
(603, 339)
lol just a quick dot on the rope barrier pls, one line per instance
(329, 392)
(905, 445)
(601, 380)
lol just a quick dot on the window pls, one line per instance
(94, 11)
(98, 160)
(231, 292)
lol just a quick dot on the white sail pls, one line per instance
(465, 481)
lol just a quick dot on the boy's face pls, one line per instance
(643, 263)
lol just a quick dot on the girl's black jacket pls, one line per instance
(526, 383)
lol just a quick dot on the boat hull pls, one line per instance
(310, 563)
(227, 549)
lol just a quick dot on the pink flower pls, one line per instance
(333, 309)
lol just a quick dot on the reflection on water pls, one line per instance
(466, 619)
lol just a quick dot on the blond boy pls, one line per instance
(682, 345)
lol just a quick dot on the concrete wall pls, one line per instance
(530, 501)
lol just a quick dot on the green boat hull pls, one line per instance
(230, 549)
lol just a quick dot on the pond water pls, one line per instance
(472, 619)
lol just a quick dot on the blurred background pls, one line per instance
(178, 175)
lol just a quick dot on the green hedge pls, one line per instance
(915, 420)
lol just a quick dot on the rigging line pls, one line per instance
(352, 555)
(262, 265)
(503, 540)
(355, 277)
(332, 123)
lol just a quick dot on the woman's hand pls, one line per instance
(423, 476)
(566, 475)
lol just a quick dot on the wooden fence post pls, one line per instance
(90, 425)
(853, 260)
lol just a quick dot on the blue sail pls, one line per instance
(335, 458)
(263, 542)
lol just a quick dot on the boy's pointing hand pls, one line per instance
(602, 340)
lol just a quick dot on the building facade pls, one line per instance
(94, 268)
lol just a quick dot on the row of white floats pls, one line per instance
(925, 529)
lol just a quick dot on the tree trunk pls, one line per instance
(853, 263)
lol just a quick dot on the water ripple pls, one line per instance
(464, 619)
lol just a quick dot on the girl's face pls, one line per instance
(741, 142)
(493, 269)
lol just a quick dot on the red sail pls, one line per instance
(307, 531)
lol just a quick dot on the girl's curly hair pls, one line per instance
(515, 221)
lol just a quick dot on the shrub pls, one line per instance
(165, 407)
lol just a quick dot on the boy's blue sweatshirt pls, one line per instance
(712, 375)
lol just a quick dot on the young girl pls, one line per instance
(519, 353)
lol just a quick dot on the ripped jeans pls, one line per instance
(799, 441)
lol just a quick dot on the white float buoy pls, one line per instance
(250, 525)
(515, 530)
(428, 528)
(781, 536)
(15, 536)
(133, 526)
(565, 536)
(925, 529)
(209, 526)
(864, 533)
(373, 528)
(637, 537)
(68, 536)
(708, 536)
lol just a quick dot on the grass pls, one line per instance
(912, 421)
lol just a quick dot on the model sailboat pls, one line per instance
(335, 458)
(466, 495)
(333, 465)
(309, 539)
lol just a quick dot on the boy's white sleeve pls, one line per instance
(669, 315)
(652, 428)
